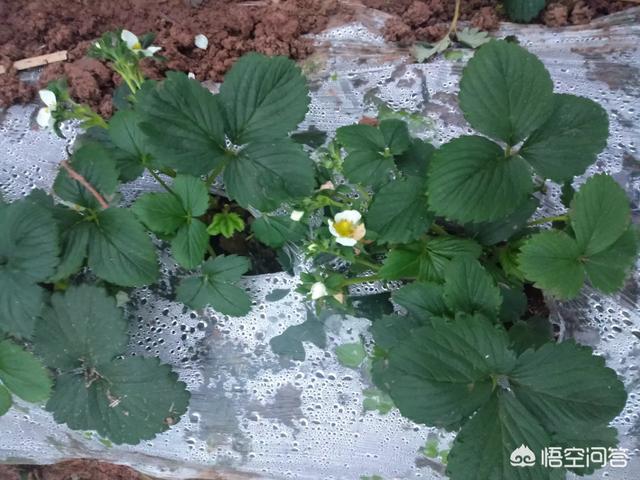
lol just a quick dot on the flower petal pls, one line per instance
(333, 230)
(44, 117)
(352, 216)
(129, 38)
(318, 290)
(347, 242)
(201, 41)
(296, 215)
(48, 98)
(151, 50)
(359, 232)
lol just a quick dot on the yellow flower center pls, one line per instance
(137, 46)
(344, 228)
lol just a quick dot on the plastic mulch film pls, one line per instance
(256, 415)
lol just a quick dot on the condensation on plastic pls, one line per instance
(255, 415)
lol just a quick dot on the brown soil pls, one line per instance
(71, 470)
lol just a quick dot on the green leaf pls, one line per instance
(472, 37)
(441, 373)
(376, 399)
(415, 161)
(490, 233)
(565, 386)
(514, 303)
(28, 254)
(184, 125)
(569, 141)
(389, 330)
(422, 300)
(264, 175)
(226, 224)
(215, 286)
(551, 260)
(351, 354)
(162, 213)
(361, 137)
(120, 251)
(608, 269)
(532, 333)
(125, 400)
(523, 10)
(5, 400)
(587, 437)
(483, 447)
(99, 170)
(289, 343)
(193, 194)
(190, 244)
(422, 53)
(73, 330)
(276, 231)
(126, 135)
(471, 180)
(396, 135)
(470, 288)
(599, 214)
(259, 89)
(22, 373)
(506, 92)
(399, 211)
(75, 232)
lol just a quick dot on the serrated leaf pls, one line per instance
(351, 354)
(598, 436)
(190, 244)
(125, 400)
(389, 330)
(126, 135)
(22, 373)
(422, 300)
(376, 399)
(193, 194)
(276, 231)
(75, 232)
(514, 303)
(264, 175)
(506, 92)
(550, 259)
(396, 135)
(569, 141)
(216, 286)
(162, 213)
(184, 125)
(523, 10)
(472, 37)
(531, 333)
(73, 330)
(422, 53)
(607, 270)
(490, 233)
(5, 400)
(259, 89)
(29, 253)
(415, 160)
(226, 224)
(469, 288)
(120, 251)
(471, 180)
(399, 211)
(289, 343)
(97, 167)
(590, 394)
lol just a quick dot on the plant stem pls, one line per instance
(214, 174)
(456, 15)
(161, 182)
(540, 221)
(361, 261)
(357, 280)
(438, 229)
(83, 181)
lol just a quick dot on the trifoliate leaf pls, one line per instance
(471, 180)
(415, 161)
(276, 231)
(351, 354)
(422, 300)
(472, 37)
(376, 399)
(5, 400)
(184, 125)
(506, 92)
(523, 10)
(126, 135)
(483, 447)
(565, 386)
(22, 373)
(193, 194)
(190, 244)
(82, 327)
(216, 286)
(442, 373)
(120, 251)
(399, 211)
(162, 213)
(470, 288)
(28, 254)
(99, 170)
(257, 91)
(226, 224)
(264, 175)
(490, 233)
(551, 260)
(289, 343)
(422, 53)
(396, 135)
(600, 214)
(427, 260)
(124, 400)
(569, 141)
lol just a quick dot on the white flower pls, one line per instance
(296, 215)
(191, 75)
(328, 185)
(135, 46)
(318, 290)
(347, 227)
(45, 115)
(201, 41)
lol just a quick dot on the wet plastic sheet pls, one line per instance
(255, 415)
